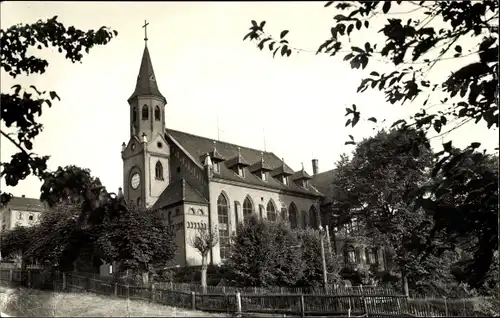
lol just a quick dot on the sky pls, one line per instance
(216, 84)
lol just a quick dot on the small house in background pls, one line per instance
(21, 211)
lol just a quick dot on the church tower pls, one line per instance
(146, 157)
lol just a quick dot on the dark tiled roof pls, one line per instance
(237, 161)
(146, 80)
(198, 146)
(177, 192)
(323, 182)
(26, 204)
(281, 170)
(301, 175)
(260, 165)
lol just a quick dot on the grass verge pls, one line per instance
(24, 302)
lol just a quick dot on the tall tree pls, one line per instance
(416, 37)
(22, 108)
(137, 239)
(204, 241)
(265, 254)
(462, 198)
(372, 191)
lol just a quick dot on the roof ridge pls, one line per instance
(218, 141)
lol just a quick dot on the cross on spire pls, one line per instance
(145, 26)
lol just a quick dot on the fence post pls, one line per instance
(238, 303)
(302, 306)
(193, 300)
(29, 278)
(87, 284)
(445, 307)
(152, 290)
(128, 292)
(63, 281)
(11, 275)
(116, 289)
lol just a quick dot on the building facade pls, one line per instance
(198, 182)
(20, 211)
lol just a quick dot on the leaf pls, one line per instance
(373, 119)
(458, 48)
(397, 122)
(340, 17)
(54, 95)
(357, 49)
(374, 73)
(358, 24)
(350, 136)
(328, 3)
(347, 122)
(475, 145)
(349, 143)
(447, 146)
(283, 33)
(386, 7)
(348, 57)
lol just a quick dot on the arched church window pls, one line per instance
(134, 114)
(292, 215)
(145, 112)
(159, 171)
(271, 211)
(304, 219)
(247, 209)
(223, 218)
(313, 217)
(139, 201)
(157, 113)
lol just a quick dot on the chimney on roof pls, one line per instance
(23, 196)
(315, 166)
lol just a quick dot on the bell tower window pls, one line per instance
(134, 114)
(159, 171)
(145, 112)
(157, 113)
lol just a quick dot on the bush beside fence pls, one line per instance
(355, 303)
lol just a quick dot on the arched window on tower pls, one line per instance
(247, 209)
(134, 114)
(145, 112)
(292, 215)
(159, 171)
(271, 211)
(223, 218)
(157, 113)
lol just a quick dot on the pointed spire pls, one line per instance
(302, 166)
(146, 80)
(215, 145)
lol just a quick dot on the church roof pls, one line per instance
(177, 192)
(301, 175)
(323, 182)
(146, 80)
(197, 147)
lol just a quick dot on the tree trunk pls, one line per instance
(204, 273)
(145, 278)
(404, 280)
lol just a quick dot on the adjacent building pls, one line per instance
(20, 211)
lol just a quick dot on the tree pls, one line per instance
(203, 242)
(136, 239)
(311, 256)
(265, 254)
(70, 185)
(23, 108)
(16, 242)
(372, 190)
(415, 47)
(462, 198)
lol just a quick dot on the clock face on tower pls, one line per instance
(135, 181)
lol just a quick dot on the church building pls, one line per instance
(198, 182)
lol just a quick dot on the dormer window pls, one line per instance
(285, 180)
(216, 167)
(264, 176)
(241, 171)
(304, 183)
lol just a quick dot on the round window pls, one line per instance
(159, 145)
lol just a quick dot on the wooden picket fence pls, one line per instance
(343, 304)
